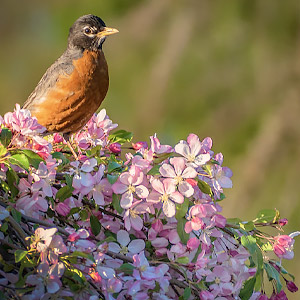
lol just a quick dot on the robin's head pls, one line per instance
(89, 32)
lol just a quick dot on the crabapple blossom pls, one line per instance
(125, 245)
(141, 224)
(165, 192)
(129, 183)
(191, 150)
(179, 172)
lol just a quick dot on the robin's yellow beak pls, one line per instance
(107, 31)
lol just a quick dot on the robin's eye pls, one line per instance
(87, 30)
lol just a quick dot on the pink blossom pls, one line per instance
(156, 147)
(166, 193)
(283, 246)
(129, 183)
(21, 121)
(179, 173)
(139, 145)
(115, 148)
(192, 151)
(125, 245)
(131, 215)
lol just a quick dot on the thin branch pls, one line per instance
(4, 242)
(19, 231)
(44, 223)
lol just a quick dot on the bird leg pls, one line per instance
(66, 136)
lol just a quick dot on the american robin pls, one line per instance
(73, 88)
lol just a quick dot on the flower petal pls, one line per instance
(123, 237)
(142, 191)
(169, 208)
(136, 246)
(167, 170)
(186, 189)
(177, 197)
(126, 200)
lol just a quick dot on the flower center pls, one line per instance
(164, 198)
(191, 157)
(217, 280)
(133, 214)
(124, 250)
(131, 189)
(178, 179)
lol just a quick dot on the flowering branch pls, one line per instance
(146, 224)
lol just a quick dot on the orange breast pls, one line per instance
(71, 103)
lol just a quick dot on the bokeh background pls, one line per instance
(225, 69)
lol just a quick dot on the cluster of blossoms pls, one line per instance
(146, 224)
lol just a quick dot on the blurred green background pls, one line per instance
(225, 69)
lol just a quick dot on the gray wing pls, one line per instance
(63, 65)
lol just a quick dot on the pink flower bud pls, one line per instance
(281, 296)
(139, 145)
(191, 181)
(96, 277)
(62, 209)
(291, 286)
(282, 222)
(115, 148)
(57, 138)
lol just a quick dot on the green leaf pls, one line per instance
(74, 210)
(154, 171)
(112, 166)
(184, 237)
(248, 226)
(95, 225)
(258, 281)
(187, 293)
(3, 150)
(127, 268)
(16, 215)
(83, 214)
(20, 160)
(120, 136)
(249, 242)
(19, 255)
(64, 193)
(183, 260)
(266, 216)
(204, 187)
(59, 155)
(5, 137)
(247, 290)
(181, 209)
(112, 178)
(69, 180)
(273, 274)
(12, 179)
(4, 226)
(33, 158)
(267, 247)
(116, 203)
(163, 156)
(234, 221)
(82, 254)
